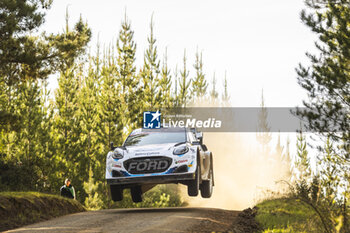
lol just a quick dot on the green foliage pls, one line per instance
(28, 148)
(22, 55)
(164, 95)
(321, 191)
(184, 84)
(26, 56)
(263, 134)
(225, 96)
(166, 195)
(93, 200)
(329, 174)
(213, 93)
(150, 73)
(302, 161)
(66, 129)
(199, 84)
(128, 80)
(109, 101)
(176, 88)
(327, 82)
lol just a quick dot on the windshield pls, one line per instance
(146, 138)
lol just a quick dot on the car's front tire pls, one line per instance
(193, 185)
(116, 192)
(136, 194)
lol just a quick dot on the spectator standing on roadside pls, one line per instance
(67, 190)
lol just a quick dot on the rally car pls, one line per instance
(159, 156)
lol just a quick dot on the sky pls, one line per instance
(257, 43)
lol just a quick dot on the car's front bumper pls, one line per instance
(157, 179)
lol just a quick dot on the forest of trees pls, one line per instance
(46, 137)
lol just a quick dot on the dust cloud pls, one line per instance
(243, 174)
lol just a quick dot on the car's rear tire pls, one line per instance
(207, 186)
(193, 185)
(116, 192)
(136, 194)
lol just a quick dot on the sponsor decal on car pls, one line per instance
(147, 153)
(181, 161)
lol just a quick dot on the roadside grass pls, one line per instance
(22, 208)
(286, 215)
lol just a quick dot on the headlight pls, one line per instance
(117, 154)
(180, 150)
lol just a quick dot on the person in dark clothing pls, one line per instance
(67, 190)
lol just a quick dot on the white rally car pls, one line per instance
(158, 156)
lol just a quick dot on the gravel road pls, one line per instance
(139, 220)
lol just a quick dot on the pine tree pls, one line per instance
(28, 147)
(150, 73)
(128, 79)
(9, 121)
(176, 87)
(110, 101)
(263, 134)
(110, 112)
(327, 79)
(71, 44)
(225, 95)
(91, 126)
(302, 162)
(286, 159)
(184, 84)
(330, 179)
(126, 58)
(66, 125)
(46, 138)
(165, 85)
(25, 56)
(279, 147)
(21, 53)
(214, 94)
(199, 84)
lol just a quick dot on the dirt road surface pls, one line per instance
(140, 220)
